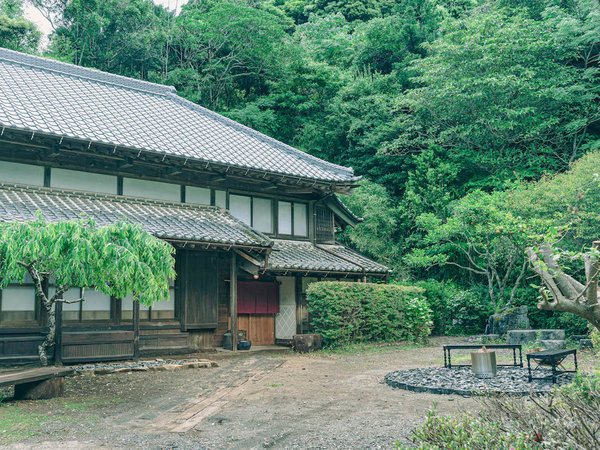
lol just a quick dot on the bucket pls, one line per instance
(483, 363)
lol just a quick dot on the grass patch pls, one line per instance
(16, 424)
(362, 347)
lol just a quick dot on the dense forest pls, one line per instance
(475, 123)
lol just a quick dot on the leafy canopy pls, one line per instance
(119, 260)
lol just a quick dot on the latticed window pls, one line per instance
(324, 228)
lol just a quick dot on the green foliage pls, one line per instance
(480, 237)
(16, 32)
(118, 260)
(455, 311)
(595, 336)
(362, 312)
(375, 236)
(498, 85)
(565, 419)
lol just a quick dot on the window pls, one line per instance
(241, 208)
(293, 218)
(300, 219)
(221, 199)
(96, 306)
(84, 181)
(21, 173)
(151, 189)
(197, 195)
(285, 218)
(163, 310)
(262, 214)
(17, 303)
(253, 211)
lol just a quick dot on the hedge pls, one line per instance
(364, 312)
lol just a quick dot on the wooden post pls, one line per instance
(58, 310)
(136, 329)
(233, 301)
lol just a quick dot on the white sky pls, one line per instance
(36, 17)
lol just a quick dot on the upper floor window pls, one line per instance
(83, 181)
(254, 211)
(198, 195)
(293, 218)
(151, 189)
(21, 173)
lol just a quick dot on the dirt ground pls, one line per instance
(252, 400)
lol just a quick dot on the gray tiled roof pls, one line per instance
(167, 220)
(344, 252)
(46, 96)
(304, 255)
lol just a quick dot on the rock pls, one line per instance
(484, 338)
(552, 335)
(304, 343)
(510, 319)
(520, 336)
(122, 370)
(140, 369)
(553, 344)
(37, 390)
(585, 343)
(157, 368)
(103, 371)
(171, 367)
(578, 337)
(190, 365)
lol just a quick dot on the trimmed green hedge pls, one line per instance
(364, 312)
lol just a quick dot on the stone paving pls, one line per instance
(144, 366)
(439, 380)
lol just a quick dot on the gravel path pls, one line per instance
(249, 401)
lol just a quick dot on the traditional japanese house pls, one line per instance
(253, 220)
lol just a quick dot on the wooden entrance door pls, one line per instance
(258, 302)
(260, 327)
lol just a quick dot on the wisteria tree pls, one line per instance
(119, 260)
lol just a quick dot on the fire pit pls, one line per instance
(483, 363)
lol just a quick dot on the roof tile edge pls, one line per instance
(52, 65)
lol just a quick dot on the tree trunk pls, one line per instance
(49, 341)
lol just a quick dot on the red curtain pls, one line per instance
(258, 297)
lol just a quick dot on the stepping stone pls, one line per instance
(520, 336)
(551, 335)
(553, 344)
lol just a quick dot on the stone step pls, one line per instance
(552, 344)
(520, 336)
(551, 335)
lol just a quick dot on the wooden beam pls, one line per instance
(249, 258)
(233, 301)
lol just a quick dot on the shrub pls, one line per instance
(567, 418)
(456, 311)
(363, 312)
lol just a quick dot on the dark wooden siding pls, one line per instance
(198, 289)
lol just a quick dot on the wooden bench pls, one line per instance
(39, 383)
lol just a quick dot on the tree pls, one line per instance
(562, 292)
(223, 50)
(118, 260)
(508, 91)
(16, 32)
(481, 238)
